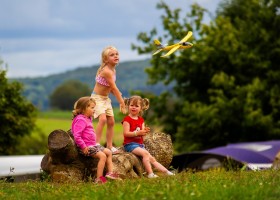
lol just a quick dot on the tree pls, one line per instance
(17, 115)
(65, 95)
(227, 86)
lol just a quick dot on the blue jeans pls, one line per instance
(131, 146)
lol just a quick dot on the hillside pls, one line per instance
(131, 76)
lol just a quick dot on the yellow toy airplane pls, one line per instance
(183, 44)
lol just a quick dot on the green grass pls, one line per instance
(214, 184)
(46, 122)
(209, 185)
(52, 120)
(58, 114)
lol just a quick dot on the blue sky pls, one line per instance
(43, 37)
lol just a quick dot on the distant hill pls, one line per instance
(130, 76)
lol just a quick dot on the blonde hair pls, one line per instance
(144, 103)
(104, 56)
(81, 105)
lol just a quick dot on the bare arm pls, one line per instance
(128, 133)
(108, 75)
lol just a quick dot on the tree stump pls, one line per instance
(64, 164)
(127, 165)
(160, 146)
(62, 147)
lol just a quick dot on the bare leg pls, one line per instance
(99, 129)
(101, 163)
(110, 131)
(109, 162)
(159, 166)
(145, 158)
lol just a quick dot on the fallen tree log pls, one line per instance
(64, 164)
(160, 146)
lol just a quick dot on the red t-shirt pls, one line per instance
(135, 125)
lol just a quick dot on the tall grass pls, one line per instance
(209, 185)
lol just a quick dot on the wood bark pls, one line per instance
(276, 162)
(64, 164)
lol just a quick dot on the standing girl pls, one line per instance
(134, 129)
(85, 138)
(104, 85)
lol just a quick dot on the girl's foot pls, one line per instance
(169, 173)
(152, 175)
(100, 180)
(112, 175)
(114, 150)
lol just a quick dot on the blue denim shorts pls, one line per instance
(131, 146)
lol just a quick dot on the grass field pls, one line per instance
(208, 185)
(52, 120)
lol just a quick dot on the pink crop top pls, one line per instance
(102, 81)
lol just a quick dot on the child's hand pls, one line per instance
(144, 131)
(147, 129)
(85, 151)
(122, 108)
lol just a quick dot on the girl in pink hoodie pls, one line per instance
(85, 138)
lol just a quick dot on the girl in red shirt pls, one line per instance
(134, 129)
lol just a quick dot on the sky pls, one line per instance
(45, 37)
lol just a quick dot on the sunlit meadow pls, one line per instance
(207, 185)
(214, 184)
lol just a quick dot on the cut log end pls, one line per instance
(58, 139)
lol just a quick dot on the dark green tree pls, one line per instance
(227, 86)
(17, 115)
(65, 95)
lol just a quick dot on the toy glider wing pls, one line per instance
(186, 37)
(159, 50)
(157, 42)
(171, 51)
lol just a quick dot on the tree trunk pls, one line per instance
(62, 147)
(64, 164)
(160, 146)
